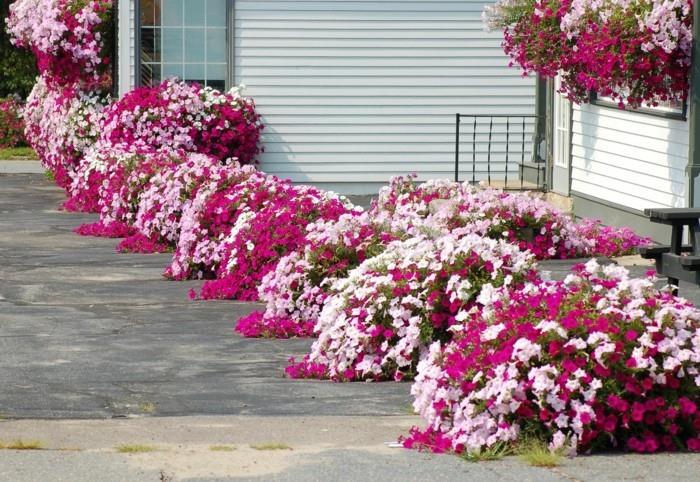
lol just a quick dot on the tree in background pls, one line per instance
(17, 67)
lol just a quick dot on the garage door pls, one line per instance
(353, 92)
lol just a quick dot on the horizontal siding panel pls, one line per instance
(476, 41)
(359, 91)
(456, 53)
(392, 8)
(629, 158)
(621, 147)
(357, 83)
(671, 130)
(490, 60)
(631, 201)
(360, 121)
(635, 118)
(597, 159)
(389, 94)
(498, 141)
(448, 111)
(657, 180)
(313, 22)
(469, 30)
(363, 166)
(379, 72)
(662, 194)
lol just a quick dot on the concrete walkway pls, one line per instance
(97, 351)
(20, 167)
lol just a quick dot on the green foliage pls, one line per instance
(17, 67)
(537, 454)
(18, 154)
(495, 452)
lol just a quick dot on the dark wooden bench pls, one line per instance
(676, 260)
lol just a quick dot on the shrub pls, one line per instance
(389, 309)
(69, 38)
(170, 192)
(11, 124)
(208, 219)
(598, 360)
(295, 291)
(180, 116)
(61, 124)
(261, 235)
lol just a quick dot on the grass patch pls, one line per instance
(537, 454)
(271, 446)
(147, 407)
(222, 448)
(18, 154)
(22, 445)
(135, 448)
(497, 452)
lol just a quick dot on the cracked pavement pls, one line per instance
(86, 332)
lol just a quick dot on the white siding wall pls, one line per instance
(126, 23)
(353, 92)
(132, 42)
(631, 159)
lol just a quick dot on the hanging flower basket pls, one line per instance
(634, 51)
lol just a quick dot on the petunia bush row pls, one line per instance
(635, 51)
(207, 220)
(259, 237)
(88, 179)
(181, 116)
(11, 124)
(69, 38)
(61, 124)
(170, 192)
(137, 188)
(387, 311)
(596, 361)
(531, 223)
(115, 181)
(611, 241)
(296, 290)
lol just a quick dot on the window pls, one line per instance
(184, 39)
(671, 109)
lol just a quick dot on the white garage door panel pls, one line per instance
(353, 92)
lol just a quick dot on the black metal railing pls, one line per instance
(502, 147)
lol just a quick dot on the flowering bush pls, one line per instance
(296, 290)
(392, 306)
(69, 38)
(61, 124)
(11, 124)
(260, 236)
(177, 115)
(595, 361)
(405, 205)
(634, 51)
(519, 218)
(207, 220)
(117, 179)
(169, 193)
(611, 241)
(126, 180)
(90, 174)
